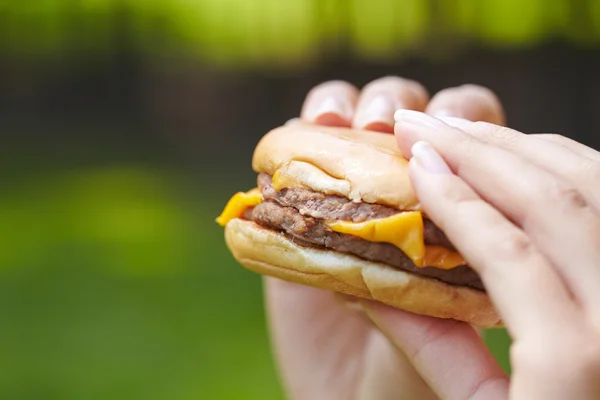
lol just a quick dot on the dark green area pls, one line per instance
(115, 284)
(499, 342)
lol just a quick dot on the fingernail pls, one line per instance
(417, 118)
(380, 110)
(429, 159)
(332, 105)
(380, 106)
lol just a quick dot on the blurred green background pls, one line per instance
(127, 124)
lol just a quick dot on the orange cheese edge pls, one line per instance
(238, 204)
(404, 230)
(442, 258)
(280, 181)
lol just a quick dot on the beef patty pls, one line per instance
(299, 213)
(332, 208)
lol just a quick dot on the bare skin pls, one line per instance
(326, 346)
(535, 243)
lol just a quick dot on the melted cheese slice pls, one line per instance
(238, 204)
(281, 181)
(303, 174)
(441, 257)
(405, 231)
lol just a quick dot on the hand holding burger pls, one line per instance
(338, 210)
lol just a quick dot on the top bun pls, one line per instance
(362, 166)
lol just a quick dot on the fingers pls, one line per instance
(525, 289)
(387, 372)
(471, 102)
(331, 103)
(309, 324)
(565, 162)
(381, 98)
(449, 354)
(558, 219)
(570, 144)
(327, 350)
(338, 103)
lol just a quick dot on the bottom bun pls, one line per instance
(271, 253)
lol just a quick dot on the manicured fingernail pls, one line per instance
(377, 113)
(417, 118)
(380, 106)
(331, 105)
(429, 159)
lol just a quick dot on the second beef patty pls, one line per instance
(299, 213)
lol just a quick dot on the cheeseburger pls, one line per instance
(335, 209)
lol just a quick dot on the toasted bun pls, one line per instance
(271, 253)
(362, 166)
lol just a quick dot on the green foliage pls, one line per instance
(243, 33)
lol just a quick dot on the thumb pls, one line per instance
(449, 355)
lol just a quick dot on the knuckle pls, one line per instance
(496, 135)
(566, 195)
(516, 245)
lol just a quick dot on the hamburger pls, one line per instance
(334, 208)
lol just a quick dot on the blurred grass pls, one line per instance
(116, 284)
